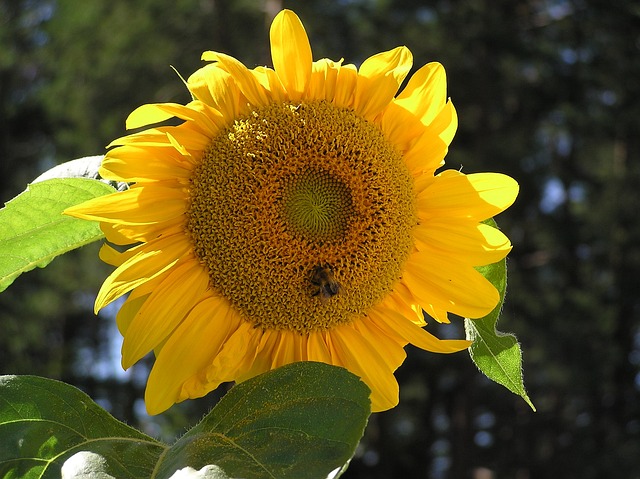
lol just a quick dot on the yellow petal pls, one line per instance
(426, 154)
(212, 376)
(407, 296)
(286, 349)
(322, 84)
(438, 314)
(400, 127)
(190, 348)
(425, 93)
(237, 357)
(164, 309)
(244, 78)
(445, 123)
(387, 342)
(198, 83)
(155, 113)
(114, 235)
(379, 78)
(186, 136)
(396, 301)
(478, 244)
(208, 119)
(317, 349)
(129, 310)
(318, 81)
(149, 114)
(134, 302)
(261, 358)
(450, 285)
(133, 164)
(216, 87)
(269, 79)
(136, 206)
(291, 53)
(414, 334)
(129, 234)
(476, 196)
(111, 256)
(345, 86)
(153, 259)
(353, 352)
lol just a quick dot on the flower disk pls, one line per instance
(268, 206)
(294, 215)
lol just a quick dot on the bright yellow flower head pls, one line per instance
(294, 215)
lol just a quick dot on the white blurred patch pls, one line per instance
(85, 465)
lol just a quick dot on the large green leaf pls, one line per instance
(259, 426)
(496, 354)
(34, 231)
(44, 422)
(299, 421)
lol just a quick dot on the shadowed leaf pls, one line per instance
(259, 427)
(299, 421)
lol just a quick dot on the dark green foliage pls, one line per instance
(301, 421)
(43, 423)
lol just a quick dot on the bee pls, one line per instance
(324, 283)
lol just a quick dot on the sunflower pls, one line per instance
(295, 214)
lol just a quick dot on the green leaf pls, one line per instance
(496, 354)
(34, 230)
(300, 421)
(43, 423)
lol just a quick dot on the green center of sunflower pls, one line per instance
(317, 205)
(302, 215)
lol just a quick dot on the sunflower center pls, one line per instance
(316, 205)
(302, 215)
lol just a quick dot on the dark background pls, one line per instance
(547, 91)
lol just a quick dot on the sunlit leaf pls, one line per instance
(496, 354)
(34, 230)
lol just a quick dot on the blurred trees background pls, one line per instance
(547, 91)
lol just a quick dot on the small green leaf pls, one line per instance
(34, 230)
(44, 424)
(299, 421)
(496, 354)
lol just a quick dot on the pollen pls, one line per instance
(291, 188)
